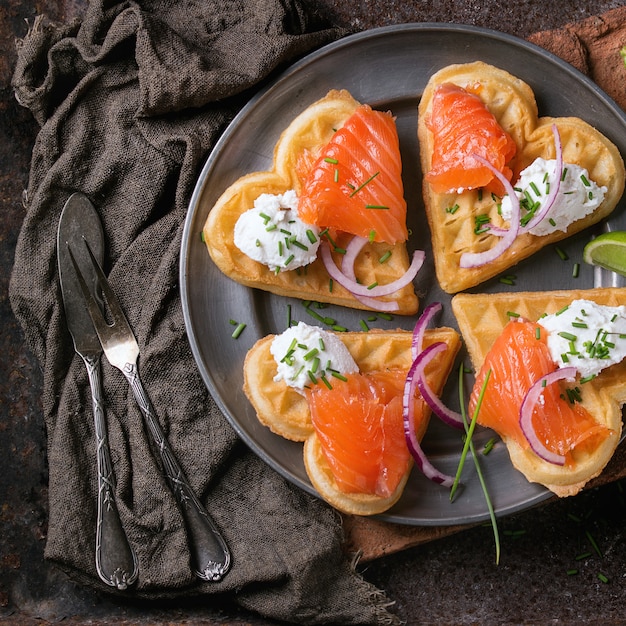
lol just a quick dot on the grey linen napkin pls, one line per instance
(130, 101)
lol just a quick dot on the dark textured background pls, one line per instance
(448, 581)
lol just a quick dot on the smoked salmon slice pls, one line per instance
(359, 424)
(462, 126)
(517, 359)
(354, 184)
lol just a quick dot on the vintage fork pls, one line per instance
(210, 554)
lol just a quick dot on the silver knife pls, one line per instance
(116, 561)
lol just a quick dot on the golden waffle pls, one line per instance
(482, 317)
(286, 412)
(308, 132)
(513, 104)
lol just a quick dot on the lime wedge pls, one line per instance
(607, 250)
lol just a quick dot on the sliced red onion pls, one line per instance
(476, 259)
(528, 406)
(347, 267)
(361, 290)
(408, 412)
(420, 327)
(554, 184)
(446, 415)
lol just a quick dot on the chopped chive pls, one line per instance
(315, 365)
(580, 325)
(330, 320)
(586, 379)
(581, 557)
(385, 257)
(258, 243)
(562, 254)
(567, 336)
(238, 330)
(386, 316)
(321, 343)
(562, 310)
(507, 280)
(363, 325)
(593, 543)
(289, 316)
(202, 237)
(312, 377)
(339, 375)
(330, 285)
(576, 270)
(290, 258)
(271, 227)
(325, 381)
(512, 314)
(534, 187)
(336, 176)
(372, 235)
(265, 216)
(572, 572)
(310, 354)
(331, 160)
(374, 284)
(284, 231)
(300, 245)
(339, 328)
(369, 180)
(602, 577)
(452, 209)
(377, 206)
(538, 332)
(584, 180)
(311, 235)
(295, 376)
(280, 248)
(489, 446)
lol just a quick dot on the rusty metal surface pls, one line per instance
(449, 581)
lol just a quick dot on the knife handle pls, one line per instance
(210, 555)
(116, 561)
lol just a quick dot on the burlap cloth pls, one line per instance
(130, 101)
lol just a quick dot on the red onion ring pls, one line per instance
(420, 327)
(446, 415)
(353, 248)
(408, 413)
(361, 290)
(527, 408)
(554, 184)
(476, 259)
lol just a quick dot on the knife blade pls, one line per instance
(116, 561)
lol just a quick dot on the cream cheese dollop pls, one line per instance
(578, 195)
(587, 336)
(272, 233)
(305, 354)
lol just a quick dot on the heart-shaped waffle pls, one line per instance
(286, 412)
(481, 319)
(305, 135)
(513, 104)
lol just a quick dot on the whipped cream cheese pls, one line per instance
(272, 233)
(306, 354)
(578, 195)
(587, 336)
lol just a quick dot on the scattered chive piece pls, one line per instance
(290, 258)
(330, 285)
(372, 235)
(538, 332)
(363, 325)
(385, 257)
(452, 209)
(331, 160)
(581, 557)
(374, 284)
(377, 206)
(489, 446)
(289, 316)
(202, 236)
(567, 336)
(311, 235)
(562, 254)
(325, 381)
(339, 375)
(336, 176)
(339, 329)
(386, 316)
(512, 314)
(369, 180)
(576, 270)
(602, 577)
(572, 572)
(593, 543)
(584, 180)
(238, 330)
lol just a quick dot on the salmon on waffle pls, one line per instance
(556, 378)
(328, 221)
(352, 424)
(500, 182)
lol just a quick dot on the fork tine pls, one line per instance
(95, 313)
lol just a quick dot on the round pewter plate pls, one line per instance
(387, 68)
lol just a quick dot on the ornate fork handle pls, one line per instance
(211, 557)
(116, 561)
